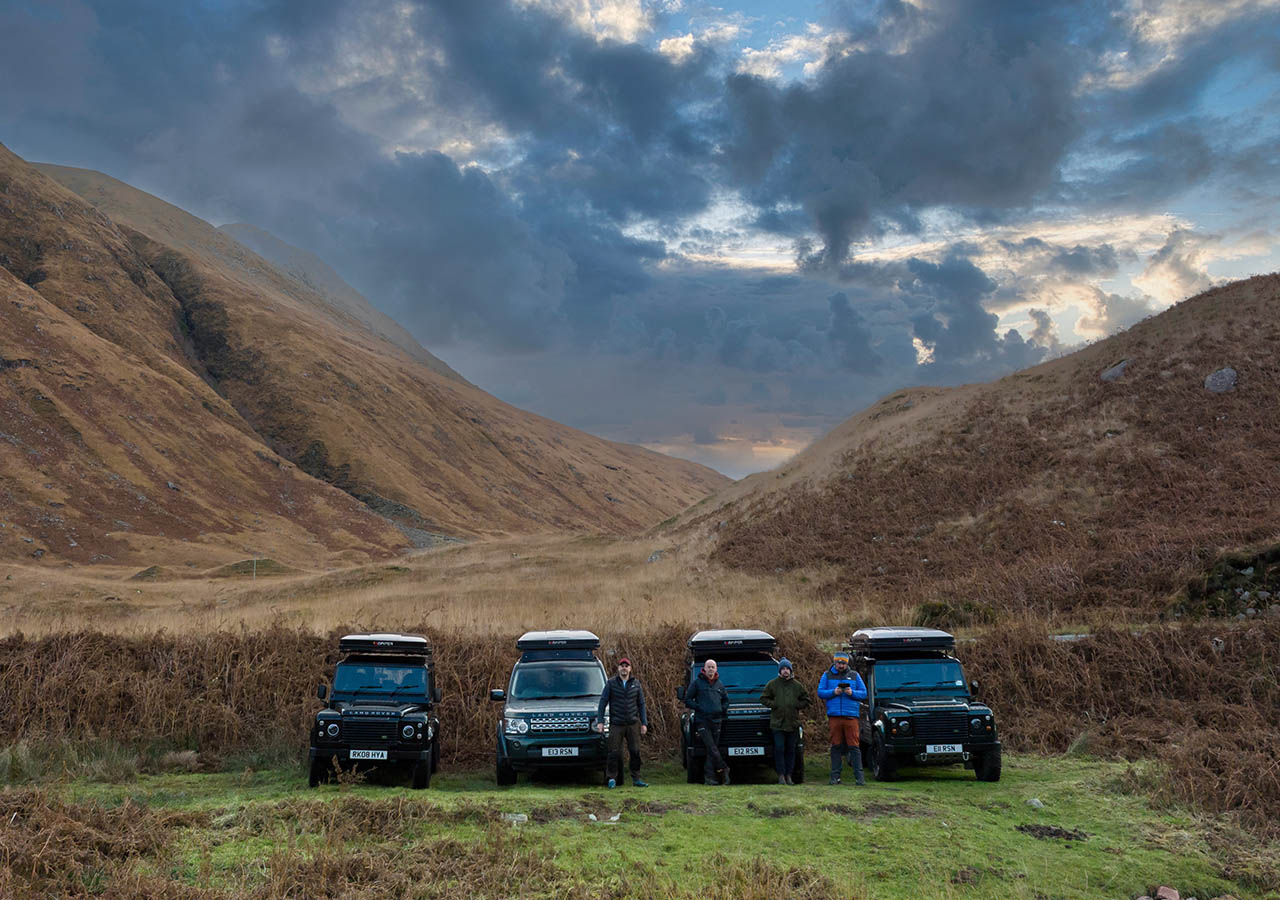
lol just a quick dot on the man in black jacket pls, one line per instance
(709, 701)
(627, 718)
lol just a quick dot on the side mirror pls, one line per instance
(322, 692)
(973, 687)
(680, 692)
(497, 694)
(435, 694)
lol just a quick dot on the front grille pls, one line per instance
(371, 731)
(945, 728)
(743, 731)
(559, 724)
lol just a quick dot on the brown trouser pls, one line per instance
(616, 735)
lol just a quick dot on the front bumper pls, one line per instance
(525, 751)
(918, 752)
(397, 754)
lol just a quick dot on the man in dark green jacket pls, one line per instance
(785, 697)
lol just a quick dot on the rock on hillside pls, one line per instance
(1053, 489)
(164, 298)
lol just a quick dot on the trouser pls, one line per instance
(708, 732)
(617, 733)
(845, 741)
(784, 751)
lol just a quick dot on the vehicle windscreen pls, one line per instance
(556, 680)
(746, 678)
(921, 676)
(380, 679)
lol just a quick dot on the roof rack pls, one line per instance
(874, 641)
(386, 644)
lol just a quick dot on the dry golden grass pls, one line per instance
(489, 587)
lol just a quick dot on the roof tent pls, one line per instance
(876, 641)
(390, 644)
(730, 643)
(545, 645)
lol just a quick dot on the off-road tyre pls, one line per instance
(504, 774)
(435, 756)
(420, 775)
(987, 765)
(319, 772)
(884, 766)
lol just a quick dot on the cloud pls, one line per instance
(1178, 270)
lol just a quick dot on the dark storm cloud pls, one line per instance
(976, 116)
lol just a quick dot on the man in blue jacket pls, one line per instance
(842, 688)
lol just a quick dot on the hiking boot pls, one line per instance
(724, 775)
(639, 783)
(790, 780)
(835, 779)
(782, 779)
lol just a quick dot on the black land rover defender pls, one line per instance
(551, 705)
(746, 664)
(920, 708)
(380, 710)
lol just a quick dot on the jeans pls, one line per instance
(784, 751)
(708, 732)
(617, 734)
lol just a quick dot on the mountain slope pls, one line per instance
(112, 450)
(1050, 489)
(292, 369)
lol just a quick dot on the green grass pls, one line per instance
(938, 833)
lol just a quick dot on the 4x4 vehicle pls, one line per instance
(920, 707)
(747, 663)
(551, 702)
(380, 710)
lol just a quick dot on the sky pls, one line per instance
(715, 230)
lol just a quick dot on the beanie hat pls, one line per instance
(785, 663)
(840, 655)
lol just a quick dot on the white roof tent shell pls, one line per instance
(558, 640)
(400, 644)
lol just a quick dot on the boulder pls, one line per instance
(1116, 372)
(1221, 381)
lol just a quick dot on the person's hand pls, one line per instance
(599, 727)
(644, 729)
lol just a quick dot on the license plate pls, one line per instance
(746, 751)
(944, 748)
(559, 751)
(368, 754)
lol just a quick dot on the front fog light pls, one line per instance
(407, 732)
(332, 730)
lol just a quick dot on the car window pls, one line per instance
(556, 680)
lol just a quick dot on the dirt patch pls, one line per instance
(875, 810)
(772, 812)
(1050, 832)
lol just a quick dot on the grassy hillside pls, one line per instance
(1050, 492)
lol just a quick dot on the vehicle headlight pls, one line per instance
(975, 725)
(517, 726)
(904, 726)
(332, 730)
(407, 732)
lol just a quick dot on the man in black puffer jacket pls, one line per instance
(627, 719)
